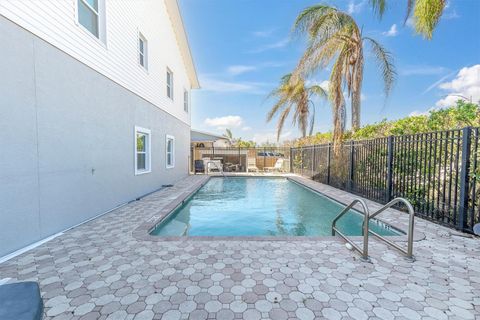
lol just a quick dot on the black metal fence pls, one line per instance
(437, 172)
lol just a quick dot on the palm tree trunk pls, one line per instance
(338, 124)
(357, 89)
(304, 114)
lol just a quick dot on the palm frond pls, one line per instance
(277, 107)
(379, 7)
(308, 16)
(427, 14)
(319, 91)
(318, 55)
(281, 121)
(385, 64)
(410, 4)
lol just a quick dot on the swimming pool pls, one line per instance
(260, 206)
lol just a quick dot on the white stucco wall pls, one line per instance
(67, 141)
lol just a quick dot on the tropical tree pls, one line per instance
(229, 136)
(294, 96)
(335, 38)
(426, 13)
(245, 144)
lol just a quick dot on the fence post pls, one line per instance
(328, 162)
(313, 162)
(264, 156)
(351, 167)
(464, 178)
(291, 160)
(390, 150)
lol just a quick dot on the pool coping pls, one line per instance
(142, 232)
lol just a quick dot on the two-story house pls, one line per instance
(94, 110)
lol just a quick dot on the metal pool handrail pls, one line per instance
(366, 217)
(409, 252)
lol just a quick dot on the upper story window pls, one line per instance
(185, 100)
(142, 151)
(169, 84)
(170, 152)
(142, 51)
(89, 16)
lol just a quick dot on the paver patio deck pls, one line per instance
(99, 270)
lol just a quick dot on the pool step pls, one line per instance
(174, 228)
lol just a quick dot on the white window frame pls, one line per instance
(172, 165)
(148, 150)
(101, 21)
(170, 85)
(143, 54)
(186, 100)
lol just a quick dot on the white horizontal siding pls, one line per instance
(55, 22)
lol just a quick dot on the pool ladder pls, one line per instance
(366, 230)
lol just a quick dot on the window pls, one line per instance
(170, 152)
(142, 151)
(88, 16)
(185, 100)
(169, 84)
(142, 51)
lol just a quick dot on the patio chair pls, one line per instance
(230, 167)
(252, 164)
(277, 167)
(21, 301)
(214, 166)
(199, 166)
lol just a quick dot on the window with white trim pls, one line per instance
(89, 15)
(185, 100)
(170, 152)
(169, 84)
(142, 150)
(142, 51)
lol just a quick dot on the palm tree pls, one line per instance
(426, 13)
(294, 95)
(334, 37)
(229, 136)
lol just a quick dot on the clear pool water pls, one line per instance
(260, 207)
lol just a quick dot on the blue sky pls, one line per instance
(242, 48)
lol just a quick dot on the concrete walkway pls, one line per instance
(99, 270)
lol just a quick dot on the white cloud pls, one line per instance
(436, 83)
(212, 84)
(410, 23)
(246, 128)
(275, 45)
(353, 7)
(224, 122)
(465, 84)
(392, 32)
(239, 69)
(418, 113)
(324, 84)
(271, 137)
(263, 33)
(422, 70)
(450, 15)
